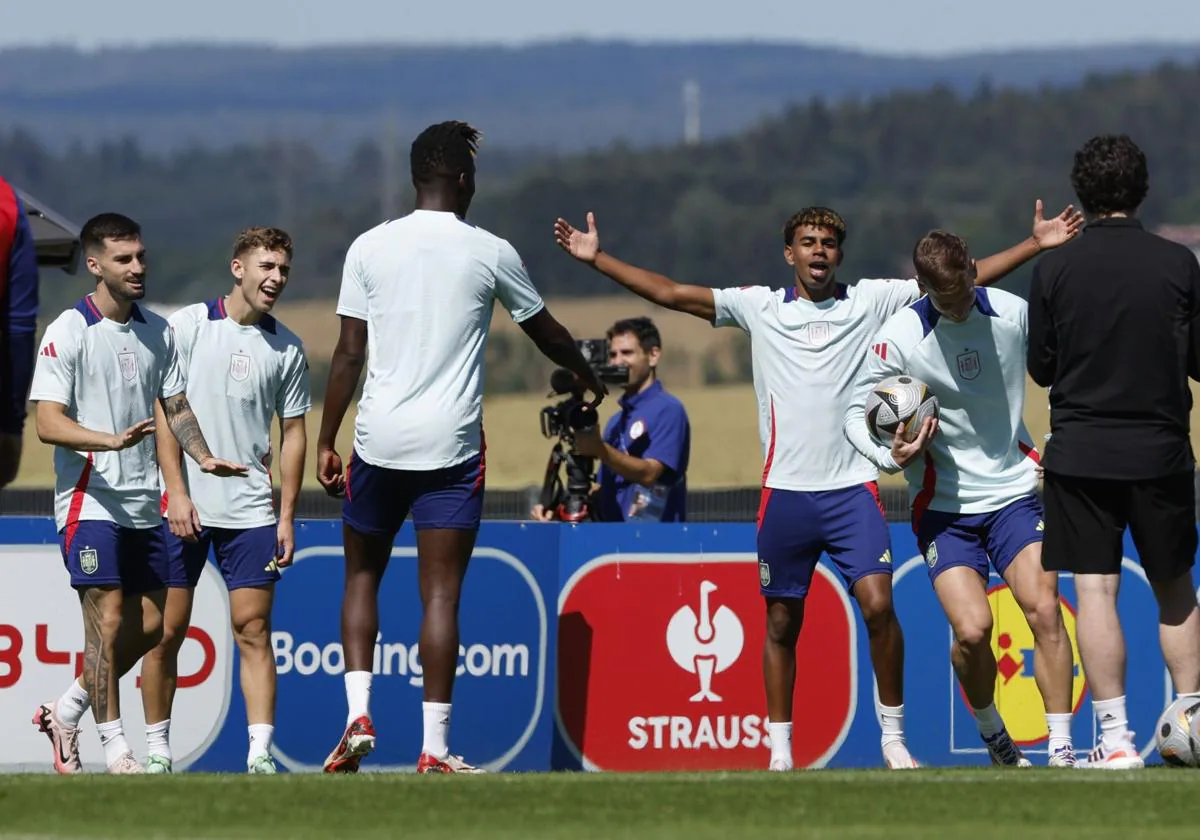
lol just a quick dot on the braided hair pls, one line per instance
(444, 151)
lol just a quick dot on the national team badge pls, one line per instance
(239, 367)
(818, 333)
(931, 555)
(764, 573)
(637, 430)
(129, 365)
(89, 561)
(968, 364)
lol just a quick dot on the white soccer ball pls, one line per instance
(1176, 737)
(899, 402)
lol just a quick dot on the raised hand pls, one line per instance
(330, 472)
(1052, 232)
(582, 245)
(222, 468)
(134, 435)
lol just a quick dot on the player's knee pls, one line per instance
(878, 611)
(1045, 618)
(253, 633)
(783, 623)
(170, 639)
(974, 634)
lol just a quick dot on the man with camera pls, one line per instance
(644, 452)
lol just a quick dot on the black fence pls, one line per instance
(732, 505)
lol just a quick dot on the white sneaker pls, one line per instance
(125, 765)
(897, 757)
(780, 765)
(1064, 756)
(1121, 755)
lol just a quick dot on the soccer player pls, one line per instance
(974, 493)
(242, 368)
(819, 493)
(1114, 327)
(102, 366)
(420, 291)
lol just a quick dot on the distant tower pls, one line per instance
(691, 112)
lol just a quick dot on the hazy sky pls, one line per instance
(910, 26)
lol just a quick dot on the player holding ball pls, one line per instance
(972, 474)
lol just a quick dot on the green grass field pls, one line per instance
(962, 804)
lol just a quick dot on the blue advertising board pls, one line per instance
(603, 647)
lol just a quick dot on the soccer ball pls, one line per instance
(1176, 736)
(899, 402)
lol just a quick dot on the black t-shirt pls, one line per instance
(1113, 334)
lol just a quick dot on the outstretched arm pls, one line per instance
(1046, 234)
(656, 288)
(185, 427)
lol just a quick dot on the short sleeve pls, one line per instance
(735, 307)
(352, 299)
(670, 439)
(183, 332)
(57, 360)
(514, 289)
(889, 296)
(295, 392)
(173, 381)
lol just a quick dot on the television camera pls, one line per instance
(570, 501)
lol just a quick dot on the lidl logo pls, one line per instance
(1017, 697)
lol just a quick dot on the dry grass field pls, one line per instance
(725, 446)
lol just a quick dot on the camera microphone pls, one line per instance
(562, 381)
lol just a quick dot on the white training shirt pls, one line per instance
(426, 286)
(108, 375)
(982, 457)
(239, 378)
(806, 357)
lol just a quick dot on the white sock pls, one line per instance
(260, 740)
(73, 704)
(1183, 694)
(158, 739)
(891, 722)
(1060, 730)
(112, 738)
(437, 729)
(781, 740)
(358, 695)
(988, 720)
(1114, 725)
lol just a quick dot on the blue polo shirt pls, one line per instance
(651, 424)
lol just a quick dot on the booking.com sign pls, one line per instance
(499, 690)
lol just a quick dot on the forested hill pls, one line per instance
(894, 166)
(558, 96)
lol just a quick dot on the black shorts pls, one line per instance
(1086, 520)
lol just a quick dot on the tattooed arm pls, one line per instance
(186, 429)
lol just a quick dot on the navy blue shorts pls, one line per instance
(101, 553)
(246, 556)
(970, 539)
(378, 500)
(796, 527)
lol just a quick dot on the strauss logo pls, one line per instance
(707, 644)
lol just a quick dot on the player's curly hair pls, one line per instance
(942, 260)
(1110, 175)
(820, 217)
(444, 151)
(269, 239)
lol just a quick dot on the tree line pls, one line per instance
(711, 214)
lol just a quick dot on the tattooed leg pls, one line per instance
(101, 630)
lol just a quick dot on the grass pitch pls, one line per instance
(962, 804)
